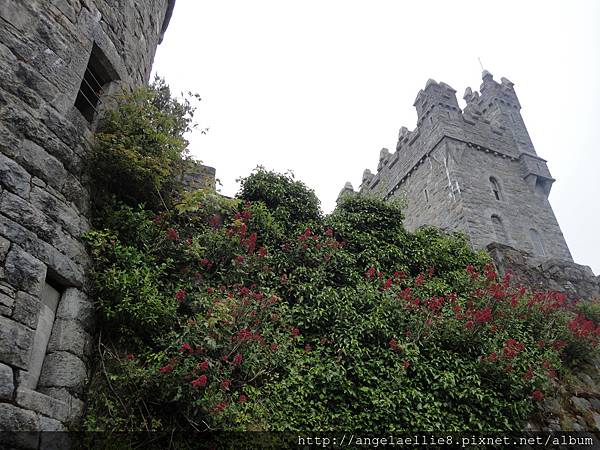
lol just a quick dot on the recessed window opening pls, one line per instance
(499, 229)
(98, 74)
(538, 245)
(426, 194)
(496, 188)
(49, 299)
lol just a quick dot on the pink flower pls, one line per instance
(242, 398)
(185, 347)
(180, 295)
(237, 359)
(225, 384)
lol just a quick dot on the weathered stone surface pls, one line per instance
(574, 280)
(75, 305)
(14, 177)
(4, 246)
(15, 343)
(63, 268)
(596, 419)
(62, 369)
(76, 406)
(69, 336)
(13, 418)
(581, 405)
(27, 309)
(24, 271)
(7, 385)
(48, 406)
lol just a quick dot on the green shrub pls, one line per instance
(257, 313)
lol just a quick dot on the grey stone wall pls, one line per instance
(444, 170)
(575, 280)
(44, 203)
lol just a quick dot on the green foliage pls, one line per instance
(140, 148)
(291, 203)
(257, 313)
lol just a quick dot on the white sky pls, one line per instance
(319, 87)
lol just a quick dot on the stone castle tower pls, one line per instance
(473, 170)
(58, 60)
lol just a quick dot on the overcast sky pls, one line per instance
(319, 87)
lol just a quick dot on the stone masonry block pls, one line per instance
(27, 309)
(15, 343)
(75, 305)
(7, 385)
(43, 404)
(62, 369)
(24, 271)
(14, 177)
(69, 336)
(4, 246)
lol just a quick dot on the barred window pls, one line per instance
(98, 74)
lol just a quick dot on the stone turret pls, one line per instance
(58, 63)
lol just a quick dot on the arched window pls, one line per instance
(499, 229)
(538, 245)
(496, 188)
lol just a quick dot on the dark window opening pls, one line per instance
(496, 188)
(98, 74)
(426, 195)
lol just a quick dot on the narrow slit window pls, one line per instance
(98, 74)
(496, 189)
(426, 195)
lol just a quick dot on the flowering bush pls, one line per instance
(231, 314)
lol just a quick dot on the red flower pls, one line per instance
(130, 357)
(537, 395)
(203, 366)
(210, 290)
(200, 381)
(393, 344)
(237, 359)
(387, 284)
(185, 347)
(274, 347)
(406, 363)
(166, 369)
(493, 356)
(329, 232)
(172, 234)
(307, 348)
(225, 384)
(180, 295)
(239, 259)
(370, 273)
(419, 280)
(218, 408)
(529, 374)
(469, 324)
(295, 332)
(205, 262)
(242, 398)
(262, 252)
